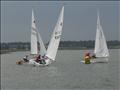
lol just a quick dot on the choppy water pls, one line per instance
(67, 73)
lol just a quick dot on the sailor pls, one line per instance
(43, 59)
(25, 59)
(38, 59)
(87, 58)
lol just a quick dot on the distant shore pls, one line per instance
(9, 51)
(60, 48)
(64, 45)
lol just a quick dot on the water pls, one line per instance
(67, 73)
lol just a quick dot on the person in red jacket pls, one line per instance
(38, 58)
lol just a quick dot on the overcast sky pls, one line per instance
(80, 19)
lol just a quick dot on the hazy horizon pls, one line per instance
(80, 19)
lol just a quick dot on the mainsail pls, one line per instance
(55, 39)
(34, 49)
(37, 45)
(101, 49)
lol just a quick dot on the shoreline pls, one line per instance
(67, 48)
(9, 51)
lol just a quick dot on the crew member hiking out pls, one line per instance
(87, 58)
(25, 59)
(38, 59)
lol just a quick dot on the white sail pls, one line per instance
(42, 51)
(37, 45)
(55, 39)
(101, 49)
(33, 36)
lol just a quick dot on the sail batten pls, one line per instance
(101, 49)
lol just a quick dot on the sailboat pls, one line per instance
(37, 45)
(51, 52)
(101, 49)
(55, 39)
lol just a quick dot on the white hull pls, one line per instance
(101, 60)
(33, 62)
(48, 61)
(84, 61)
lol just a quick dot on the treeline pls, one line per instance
(15, 46)
(63, 45)
(87, 44)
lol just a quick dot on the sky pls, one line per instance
(80, 19)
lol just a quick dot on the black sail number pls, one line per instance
(57, 34)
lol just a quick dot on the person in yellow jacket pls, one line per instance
(87, 58)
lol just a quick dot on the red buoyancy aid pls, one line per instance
(38, 58)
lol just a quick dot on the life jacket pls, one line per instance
(87, 57)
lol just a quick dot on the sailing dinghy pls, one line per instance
(101, 50)
(51, 52)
